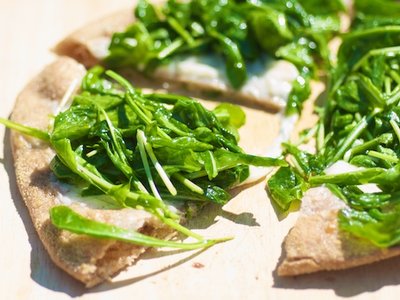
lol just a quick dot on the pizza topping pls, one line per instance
(66, 218)
(144, 151)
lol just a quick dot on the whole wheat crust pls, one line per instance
(315, 243)
(87, 259)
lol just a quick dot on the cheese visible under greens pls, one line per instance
(269, 81)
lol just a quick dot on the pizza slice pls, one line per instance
(88, 259)
(262, 54)
(107, 170)
(349, 213)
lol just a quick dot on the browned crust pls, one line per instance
(87, 259)
(76, 44)
(315, 243)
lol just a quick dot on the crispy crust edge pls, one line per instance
(315, 243)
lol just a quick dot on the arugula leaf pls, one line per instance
(382, 229)
(274, 22)
(388, 8)
(285, 187)
(64, 217)
(30, 131)
(74, 123)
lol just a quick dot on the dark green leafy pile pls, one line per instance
(239, 31)
(359, 124)
(144, 151)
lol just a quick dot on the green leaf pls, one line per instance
(230, 115)
(275, 24)
(65, 218)
(74, 123)
(146, 13)
(285, 187)
(30, 131)
(93, 82)
(381, 229)
(301, 91)
(387, 8)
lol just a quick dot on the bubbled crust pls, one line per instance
(87, 259)
(315, 243)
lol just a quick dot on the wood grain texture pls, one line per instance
(242, 268)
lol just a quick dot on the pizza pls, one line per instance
(196, 59)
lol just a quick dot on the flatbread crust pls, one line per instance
(315, 243)
(87, 259)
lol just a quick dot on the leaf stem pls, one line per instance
(146, 165)
(157, 165)
(189, 184)
(37, 133)
(358, 129)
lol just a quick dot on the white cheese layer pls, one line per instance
(342, 167)
(68, 194)
(269, 81)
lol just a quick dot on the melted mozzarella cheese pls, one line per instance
(68, 194)
(342, 167)
(269, 81)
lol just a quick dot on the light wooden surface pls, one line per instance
(239, 269)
